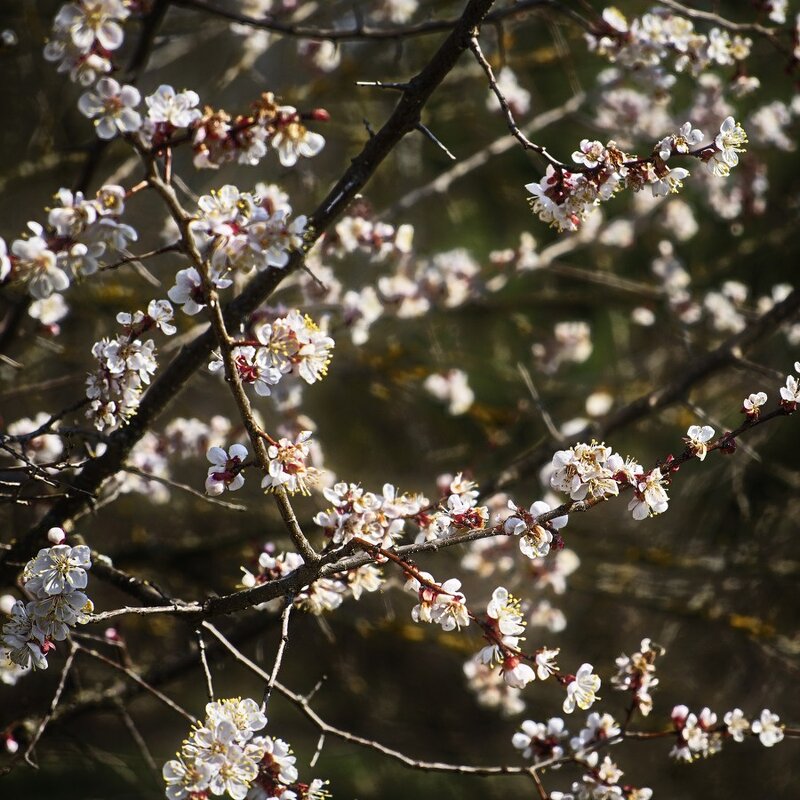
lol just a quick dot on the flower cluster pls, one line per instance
(564, 197)
(541, 741)
(751, 405)
(599, 728)
(324, 594)
(767, 727)
(698, 736)
(289, 344)
(458, 511)
(571, 343)
(79, 233)
(601, 781)
(636, 674)
(241, 231)
(85, 33)
(54, 579)
(356, 233)
(448, 279)
(219, 138)
(396, 11)
(593, 470)
(441, 604)
(643, 44)
(287, 465)
(124, 367)
(359, 233)
(650, 495)
(377, 518)
(502, 629)
(221, 756)
(294, 342)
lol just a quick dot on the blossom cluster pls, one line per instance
(54, 580)
(564, 197)
(445, 605)
(293, 343)
(324, 594)
(156, 453)
(699, 735)
(85, 34)
(216, 137)
(601, 781)
(643, 44)
(225, 471)
(448, 279)
(457, 511)
(287, 467)
(593, 470)
(240, 231)
(219, 138)
(439, 604)
(503, 630)
(359, 233)
(790, 393)
(79, 233)
(379, 519)
(546, 742)
(124, 366)
(636, 674)
(490, 689)
(221, 756)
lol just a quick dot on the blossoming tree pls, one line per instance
(202, 315)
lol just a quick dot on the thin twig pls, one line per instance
(362, 32)
(215, 501)
(287, 610)
(201, 646)
(430, 135)
(140, 743)
(537, 401)
(62, 682)
(136, 678)
(716, 19)
(475, 47)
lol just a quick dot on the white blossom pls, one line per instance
(225, 471)
(581, 691)
(111, 106)
(697, 438)
(768, 728)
